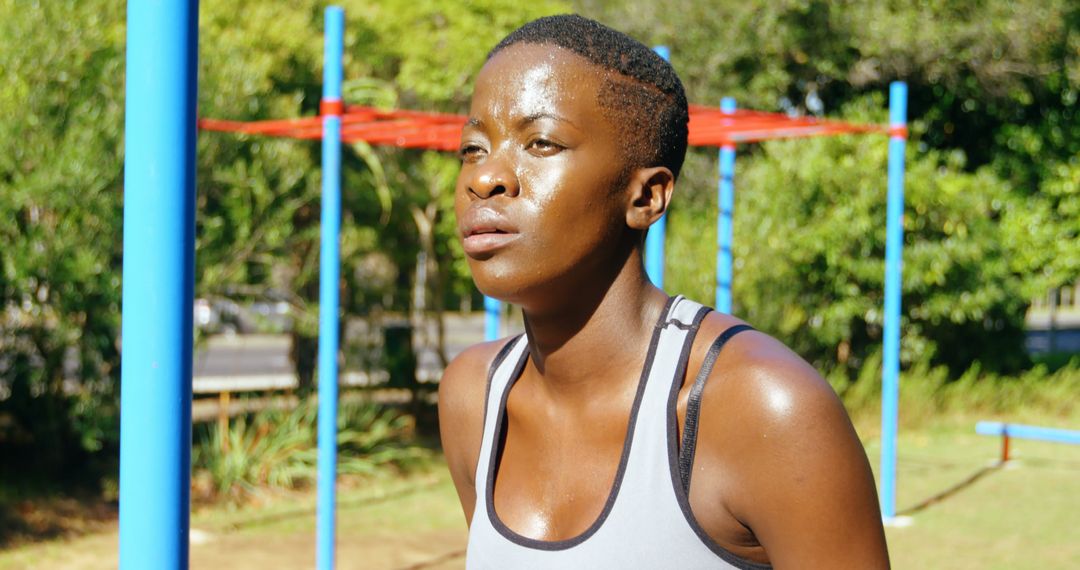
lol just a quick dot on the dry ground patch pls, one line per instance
(1024, 515)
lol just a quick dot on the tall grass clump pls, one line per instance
(931, 394)
(278, 449)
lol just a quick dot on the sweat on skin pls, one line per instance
(551, 216)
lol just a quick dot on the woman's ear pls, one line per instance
(649, 195)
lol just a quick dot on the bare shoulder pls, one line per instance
(464, 381)
(462, 393)
(763, 403)
(796, 475)
(765, 376)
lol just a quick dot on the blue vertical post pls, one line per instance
(894, 243)
(329, 277)
(654, 239)
(492, 312)
(724, 220)
(158, 271)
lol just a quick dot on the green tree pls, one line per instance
(992, 106)
(60, 220)
(259, 206)
(258, 198)
(810, 244)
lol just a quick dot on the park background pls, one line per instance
(992, 260)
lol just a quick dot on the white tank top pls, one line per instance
(646, 521)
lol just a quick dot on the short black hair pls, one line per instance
(647, 104)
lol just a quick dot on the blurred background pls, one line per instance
(991, 290)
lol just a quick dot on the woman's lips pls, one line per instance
(479, 243)
(485, 229)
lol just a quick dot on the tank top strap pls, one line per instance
(649, 462)
(693, 404)
(668, 367)
(506, 366)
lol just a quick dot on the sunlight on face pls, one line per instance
(537, 93)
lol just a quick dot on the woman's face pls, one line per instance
(541, 196)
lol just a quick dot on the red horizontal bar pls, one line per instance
(442, 131)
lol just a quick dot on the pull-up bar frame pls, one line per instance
(158, 271)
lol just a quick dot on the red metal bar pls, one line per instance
(441, 131)
(331, 107)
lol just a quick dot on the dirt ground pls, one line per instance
(1020, 516)
(409, 524)
(432, 550)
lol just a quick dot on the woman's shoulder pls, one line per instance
(464, 381)
(462, 393)
(795, 470)
(775, 397)
(758, 369)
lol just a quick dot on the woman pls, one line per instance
(625, 429)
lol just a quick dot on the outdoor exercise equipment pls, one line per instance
(1021, 431)
(329, 275)
(654, 238)
(159, 278)
(159, 250)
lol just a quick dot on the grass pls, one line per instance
(277, 449)
(1023, 515)
(391, 522)
(930, 399)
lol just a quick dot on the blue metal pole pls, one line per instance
(158, 271)
(492, 312)
(654, 239)
(724, 220)
(329, 277)
(894, 243)
(1021, 431)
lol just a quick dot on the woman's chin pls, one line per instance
(517, 288)
(497, 291)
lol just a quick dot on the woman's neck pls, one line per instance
(598, 333)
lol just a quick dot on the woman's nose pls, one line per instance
(494, 178)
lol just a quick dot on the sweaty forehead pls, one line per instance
(536, 79)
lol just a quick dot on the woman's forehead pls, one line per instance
(531, 79)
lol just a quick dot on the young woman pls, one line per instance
(625, 428)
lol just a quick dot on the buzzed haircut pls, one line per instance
(645, 100)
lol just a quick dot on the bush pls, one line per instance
(277, 449)
(809, 253)
(928, 393)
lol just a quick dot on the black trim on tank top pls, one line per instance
(682, 493)
(504, 351)
(684, 357)
(499, 441)
(681, 325)
(499, 357)
(693, 405)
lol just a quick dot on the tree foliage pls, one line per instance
(991, 188)
(257, 198)
(259, 207)
(60, 222)
(993, 214)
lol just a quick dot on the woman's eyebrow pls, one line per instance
(477, 123)
(544, 115)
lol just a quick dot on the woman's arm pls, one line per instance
(796, 475)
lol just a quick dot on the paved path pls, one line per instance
(262, 363)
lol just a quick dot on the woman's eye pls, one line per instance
(545, 147)
(470, 152)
